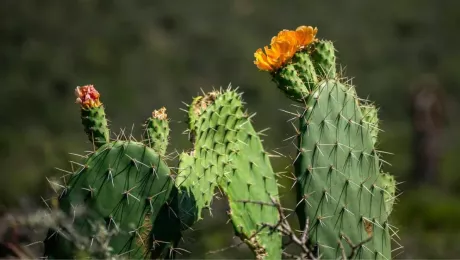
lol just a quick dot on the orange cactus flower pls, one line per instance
(305, 35)
(87, 97)
(283, 47)
(262, 60)
(286, 36)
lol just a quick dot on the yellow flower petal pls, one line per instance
(272, 55)
(261, 60)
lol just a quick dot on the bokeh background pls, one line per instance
(142, 55)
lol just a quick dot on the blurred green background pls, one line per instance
(142, 55)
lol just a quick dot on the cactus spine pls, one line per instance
(228, 153)
(122, 185)
(340, 189)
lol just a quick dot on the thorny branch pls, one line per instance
(285, 229)
(354, 248)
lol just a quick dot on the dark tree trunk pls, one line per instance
(428, 118)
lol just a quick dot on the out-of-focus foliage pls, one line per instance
(146, 54)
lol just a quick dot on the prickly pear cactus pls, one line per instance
(122, 185)
(228, 154)
(341, 191)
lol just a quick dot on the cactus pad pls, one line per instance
(297, 78)
(228, 153)
(338, 175)
(123, 184)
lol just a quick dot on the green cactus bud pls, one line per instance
(92, 115)
(323, 56)
(228, 153)
(156, 131)
(123, 185)
(370, 118)
(297, 78)
(388, 183)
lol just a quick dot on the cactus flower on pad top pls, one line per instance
(341, 189)
(283, 47)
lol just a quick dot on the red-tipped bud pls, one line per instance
(87, 97)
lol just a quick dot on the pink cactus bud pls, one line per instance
(87, 96)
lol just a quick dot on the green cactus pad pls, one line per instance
(297, 78)
(156, 131)
(123, 185)
(323, 57)
(228, 153)
(338, 176)
(195, 184)
(95, 125)
(388, 182)
(177, 215)
(166, 230)
(371, 120)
